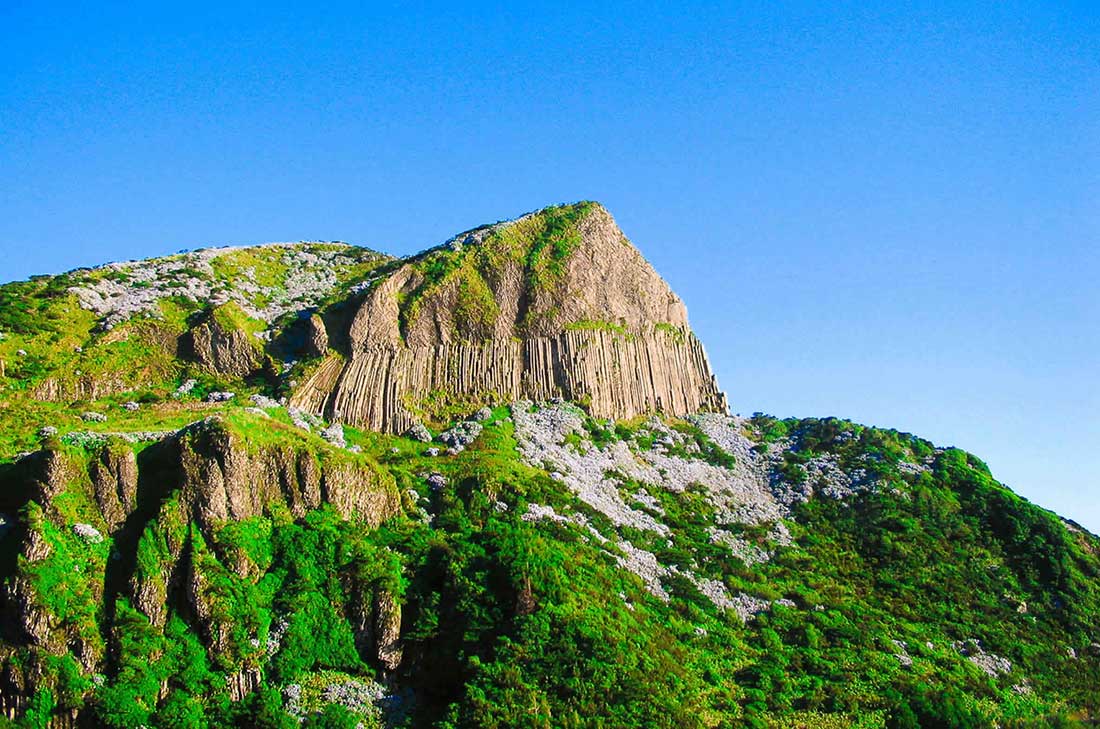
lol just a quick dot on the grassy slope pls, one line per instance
(949, 557)
(509, 622)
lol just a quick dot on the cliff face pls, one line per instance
(108, 527)
(553, 304)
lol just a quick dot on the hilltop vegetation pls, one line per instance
(180, 546)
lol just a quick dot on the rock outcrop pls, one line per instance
(220, 344)
(554, 304)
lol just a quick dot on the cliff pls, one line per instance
(107, 531)
(557, 303)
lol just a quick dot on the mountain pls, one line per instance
(494, 484)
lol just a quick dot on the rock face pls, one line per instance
(219, 345)
(553, 304)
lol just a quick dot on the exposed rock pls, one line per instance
(135, 288)
(483, 414)
(388, 630)
(131, 406)
(185, 388)
(222, 479)
(91, 417)
(88, 533)
(990, 663)
(462, 434)
(419, 432)
(220, 396)
(222, 347)
(114, 477)
(263, 401)
(607, 331)
(47, 431)
(316, 337)
(334, 434)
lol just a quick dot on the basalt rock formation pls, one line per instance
(193, 534)
(554, 304)
(163, 512)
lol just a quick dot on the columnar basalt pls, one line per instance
(553, 304)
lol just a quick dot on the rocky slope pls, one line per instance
(553, 304)
(490, 485)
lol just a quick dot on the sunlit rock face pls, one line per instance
(554, 304)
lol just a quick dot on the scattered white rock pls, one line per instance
(91, 417)
(136, 288)
(990, 663)
(334, 434)
(419, 432)
(131, 406)
(185, 388)
(88, 533)
(436, 481)
(462, 434)
(483, 414)
(47, 431)
(263, 401)
(220, 396)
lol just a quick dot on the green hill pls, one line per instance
(194, 533)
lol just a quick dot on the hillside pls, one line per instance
(490, 485)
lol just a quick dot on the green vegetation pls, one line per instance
(925, 595)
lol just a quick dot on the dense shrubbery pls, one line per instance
(508, 622)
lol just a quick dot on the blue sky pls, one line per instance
(876, 211)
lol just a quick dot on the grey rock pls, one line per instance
(91, 417)
(419, 432)
(462, 434)
(88, 533)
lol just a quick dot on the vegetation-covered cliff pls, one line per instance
(490, 485)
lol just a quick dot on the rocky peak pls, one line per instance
(556, 303)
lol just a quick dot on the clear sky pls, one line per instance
(880, 211)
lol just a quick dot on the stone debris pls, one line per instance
(131, 406)
(990, 663)
(92, 439)
(305, 421)
(263, 401)
(91, 417)
(334, 434)
(88, 533)
(741, 495)
(744, 550)
(419, 432)
(136, 288)
(462, 434)
(220, 396)
(436, 481)
(902, 653)
(47, 431)
(483, 414)
(185, 388)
